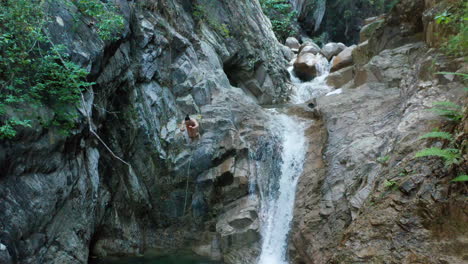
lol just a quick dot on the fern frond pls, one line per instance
(451, 156)
(461, 178)
(447, 104)
(451, 114)
(463, 75)
(437, 134)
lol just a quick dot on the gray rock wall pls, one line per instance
(363, 197)
(63, 197)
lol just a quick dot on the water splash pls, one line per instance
(277, 199)
(304, 91)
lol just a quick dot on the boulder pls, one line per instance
(309, 48)
(389, 66)
(292, 43)
(304, 66)
(344, 59)
(361, 54)
(401, 26)
(309, 42)
(339, 78)
(287, 52)
(332, 49)
(238, 230)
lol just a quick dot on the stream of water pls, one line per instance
(276, 179)
(277, 199)
(304, 91)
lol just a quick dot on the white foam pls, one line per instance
(277, 203)
(304, 91)
(337, 91)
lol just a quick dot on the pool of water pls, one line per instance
(169, 259)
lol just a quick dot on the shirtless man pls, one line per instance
(192, 127)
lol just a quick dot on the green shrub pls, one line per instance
(455, 21)
(108, 22)
(282, 17)
(33, 72)
(201, 14)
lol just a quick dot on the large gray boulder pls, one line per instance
(292, 43)
(390, 66)
(309, 47)
(343, 59)
(239, 231)
(332, 49)
(341, 77)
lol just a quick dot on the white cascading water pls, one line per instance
(277, 192)
(277, 200)
(304, 91)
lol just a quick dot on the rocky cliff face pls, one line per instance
(66, 197)
(363, 197)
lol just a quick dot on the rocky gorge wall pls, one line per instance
(363, 197)
(65, 198)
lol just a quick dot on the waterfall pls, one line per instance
(304, 91)
(277, 197)
(280, 165)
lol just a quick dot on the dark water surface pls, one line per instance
(169, 259)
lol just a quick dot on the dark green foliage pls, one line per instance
(343, 18)
(108, 22)
(384, 159)
(281, 16)
(201, 13)
(454, 21)
(33, 73)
